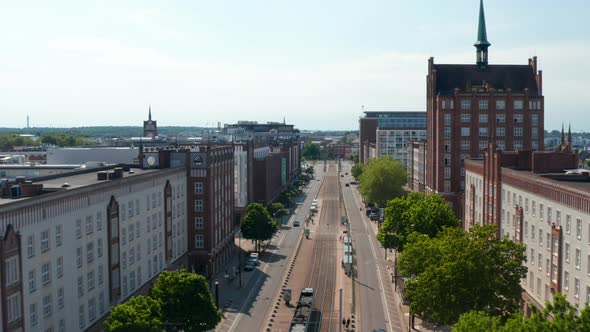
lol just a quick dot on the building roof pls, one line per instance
(515, 77)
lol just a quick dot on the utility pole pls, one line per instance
(340, 317)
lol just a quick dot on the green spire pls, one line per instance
(482, 36)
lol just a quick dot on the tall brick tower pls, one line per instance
(468, 105)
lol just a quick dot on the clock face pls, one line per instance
(151, 160)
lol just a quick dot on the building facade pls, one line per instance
(388, 133)
(74, 245)
(416, 165)
(534, 200)
(469, 105)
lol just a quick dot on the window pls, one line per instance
(58, 235)
(483, 118)
(60, 297)
(578, 258)
(131, 280)
(483, 132)
(199, 242)
(447, 172)
(540, 238)
(46, 273)
(567, 252)
(447, 132)
(45, 240)
(81, 316)
(465, 131)
(99, 221)
(465, 118)
(138, 252)
(78, 228)
(137, 206)
(33, 314)
(100, 275)
(124, 285)
(91, 309)
(31, 246)
(465, 104)
(500, 104)
(535, 119)
(541, 211)
(124, 235)
(32, 281)
(90, 280)
(448, 119)
(124, 260)
(535, 132)
(198, 187)
(199, 222)
(518, 104)
(483, 104)
(60, 267)
(465, 145)
(534, 104)
(131, 233)
(131, 256)
(447, 186)
(548, 246)
(101, 302)
(576, 287)
(13, 307)
(47, 303)
(90, 252)
(80, 286)
(578, 228)
(483, 144)
(566, 280)
(154, 242)
(131, 209)
(149, 223)
(518, 131)
(500, 118)
(160, 240)
(199, 205)
(447, 104)
(89, 225)
(517, 118)
(501, 144)
(500, 131)
(540, 261)
(99, 248)
(137, 229)
(79, 257)
(568, 224)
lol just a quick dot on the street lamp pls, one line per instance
(217, 294)
(240, 256)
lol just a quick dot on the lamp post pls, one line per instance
(240, 256)
(217, 294)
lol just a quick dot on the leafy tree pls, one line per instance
(415, 212)
(311, 151)
(558, 315)
(355, 158)
(258, 225)
(139, 314)
(186, 301)
(458, 271)
(278, 210)
(382, 180)
(357, 170)
(11, 140)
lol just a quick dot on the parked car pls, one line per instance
(249, 266)
(296, 223)
(253, 258)
(374, 216)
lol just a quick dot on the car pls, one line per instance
(347, 185)
(249, 266)
(374, 216)
(296, 223)
(378, 330)
(346, 173)
(341, 175)
(253, 258)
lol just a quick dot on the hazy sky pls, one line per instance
(76, 63)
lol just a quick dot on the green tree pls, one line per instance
(186, 301)
(258, 225)
(278, 210)
(357, 170)
(382, 180)
(558, 316)
(415, 212)
(355, 158)
(458, 271)
(311, 151)
(139, 314)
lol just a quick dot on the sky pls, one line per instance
(314, 63)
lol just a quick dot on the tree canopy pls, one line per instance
(458, 271)
(311, 151)
(557, 316)
(415, 212)
(357, 170)
(139, 314)
(382, 180)
(258, 224)
(186, 300)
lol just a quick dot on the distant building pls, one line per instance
(416, 165)
(74, 245)
(540, 199)
(468, 105)
(388, 133)
(150, 127)
(252, 130)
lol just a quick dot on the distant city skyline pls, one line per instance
(69, 64)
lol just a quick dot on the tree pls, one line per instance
(355, 158)
(382, 180)
(277, 210)
(415, 212)
(311, 151)
(258, 225)
(458, 271)
(139, 314)
(557, 316)
(357, 170)
(186, 301)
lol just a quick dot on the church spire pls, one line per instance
(569, 136)
(482, 42)
(150, 113)
(562, 135)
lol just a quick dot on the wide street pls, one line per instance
(292, 261)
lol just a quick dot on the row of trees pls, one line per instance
(10, 140)
(179, 300)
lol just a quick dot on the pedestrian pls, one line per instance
(343, 321)
(347, 322)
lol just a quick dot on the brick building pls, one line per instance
(468, 105)
(540, 199)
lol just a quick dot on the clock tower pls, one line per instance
(150, 127)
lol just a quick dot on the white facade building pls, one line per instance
(78, 259)
(394, 142)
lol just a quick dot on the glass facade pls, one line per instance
(399, 120)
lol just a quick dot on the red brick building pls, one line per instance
(468, 105)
